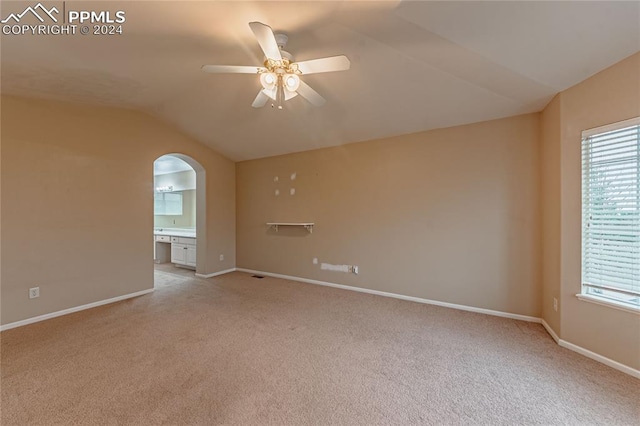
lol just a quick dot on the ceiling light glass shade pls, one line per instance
(270, 92)
(268, 80)
(291, 82)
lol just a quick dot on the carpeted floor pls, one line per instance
(240, 350)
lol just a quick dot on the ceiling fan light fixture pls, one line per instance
(280, 75)
(291, 82)
(268, 80)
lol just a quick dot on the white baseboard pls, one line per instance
(72, 310)
(215, 274)
(594, 356)
(550, 331)
(603, 359)
(582, 351)
(396, 296)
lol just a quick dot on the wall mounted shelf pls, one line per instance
(307, 225)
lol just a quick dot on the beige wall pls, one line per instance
(67, 172)
(451, 215)
(610, 96)
(550, 199)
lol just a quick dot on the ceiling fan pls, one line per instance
(280, 75)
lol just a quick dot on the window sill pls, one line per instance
(608, 303)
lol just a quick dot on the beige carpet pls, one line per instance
(240, 350)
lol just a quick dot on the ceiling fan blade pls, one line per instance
(271, 92)
(311, 95)
(266, 40)
(288, 94)
(234, 69)
(260, 100)
(334, 63)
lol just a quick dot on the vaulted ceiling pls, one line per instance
(414, 65)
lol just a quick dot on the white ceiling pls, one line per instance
(170, 164)
(415, 65)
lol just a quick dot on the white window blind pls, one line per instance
(611, 213)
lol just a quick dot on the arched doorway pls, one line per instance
(179, 212)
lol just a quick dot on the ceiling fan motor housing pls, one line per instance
(283, 66)
(281, 40)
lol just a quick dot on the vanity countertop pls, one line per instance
(175, 232)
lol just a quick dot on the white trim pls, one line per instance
(604, 360)
(396, 296)
(72, 310)
(552, 333)
(215, 274)
(608, 303)
(610, 127)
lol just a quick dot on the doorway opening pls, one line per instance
(179, 214)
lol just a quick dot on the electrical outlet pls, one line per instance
(221, 257)
(555, 304)
(34, 292)
(315, 260)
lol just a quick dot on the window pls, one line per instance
(611, 213)
(167, 204)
